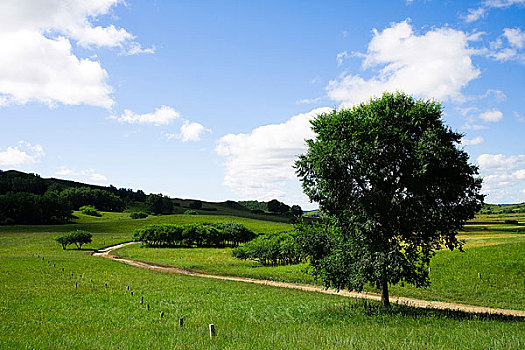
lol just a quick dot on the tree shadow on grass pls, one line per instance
(81, 249)
(374, 308)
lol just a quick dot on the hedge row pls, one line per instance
(272, 248)
(204, 234)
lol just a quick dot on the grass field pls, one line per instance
(454, 275)
(41, 308)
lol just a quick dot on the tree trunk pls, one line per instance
(385, 300)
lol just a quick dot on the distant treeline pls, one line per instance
(16, 181)
(29, 199)
(274, 206)
(53, 207)
(218, 234)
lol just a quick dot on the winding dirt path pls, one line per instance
(105, 253)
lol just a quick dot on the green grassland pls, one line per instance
(123, 225)
(43, 307)
(454, 275)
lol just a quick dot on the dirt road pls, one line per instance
(311, 288)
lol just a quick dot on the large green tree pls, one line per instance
(396, 187)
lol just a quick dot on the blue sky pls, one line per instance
(211, 99)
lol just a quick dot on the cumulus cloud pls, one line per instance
(472, 142)
(188, 132)
(503, 176)
(508, 46)
(22, 154)
(191, 131)
(36, 68)
(81, 175)
(436, 64)
(37, 61)
(162, 116)
(491, 116)
(259, 164)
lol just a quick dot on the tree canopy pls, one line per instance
(396, 187)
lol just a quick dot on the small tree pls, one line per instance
(89, 210)
(296, 210)
(79, 238)
(274, 206)
(64, 240)
(396, 187)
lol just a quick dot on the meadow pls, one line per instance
(45, 307)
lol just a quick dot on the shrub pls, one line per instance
(274, 248)
(138, 215)
(63, 240)
(79, 238)
(90, 210)
(204, 234)
(190, 212)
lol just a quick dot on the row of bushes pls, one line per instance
(272, 249)
(203, 234)
(79, 238)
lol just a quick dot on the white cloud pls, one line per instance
(341, 56)
(503, 3)
(65, 171)
(37, 61)
(472, 142)
(35, 68)
(306, 101)
(519, 117)
(81, 175)
(436, 64)
(500, 162)
(481, 12)
(98, 177)
(475, 14)
(515, 37)
(491, 116)
(508, 46)
(259, 164)
(22, 154)
(162, 116)
(503, 177)
(191, 131)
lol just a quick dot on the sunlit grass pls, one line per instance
(43, 307)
